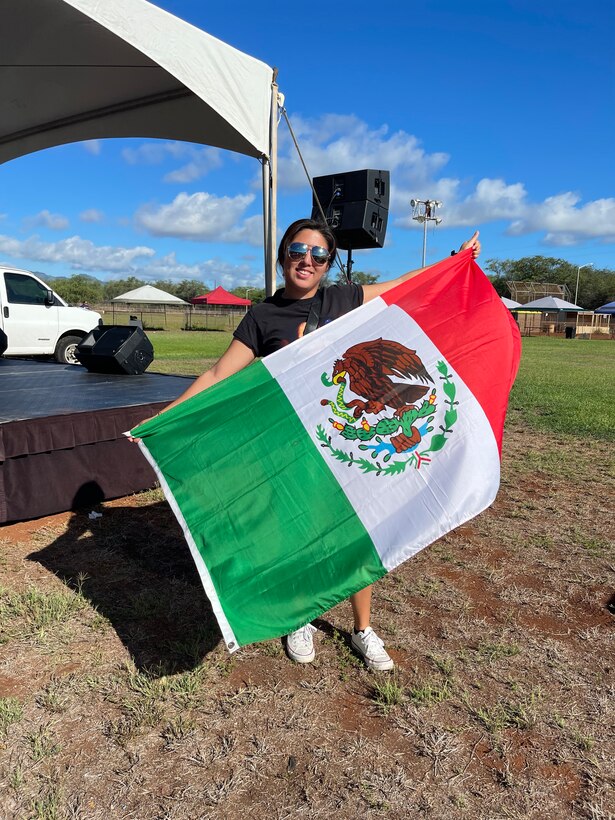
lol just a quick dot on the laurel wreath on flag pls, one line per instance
(387, 426)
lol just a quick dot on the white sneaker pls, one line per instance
(372, 650)
(300, 644)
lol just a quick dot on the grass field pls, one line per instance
(187, 353)
(118, 699)
(567, 386)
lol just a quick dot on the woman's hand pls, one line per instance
(474, 243)
(132, 438)
(235, 358)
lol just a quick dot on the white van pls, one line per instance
(36, 321)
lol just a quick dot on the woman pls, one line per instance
(305, 255)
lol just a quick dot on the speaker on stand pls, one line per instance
(356, 208)
(116, 349)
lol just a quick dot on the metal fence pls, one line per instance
(583, 325)
(172, 317)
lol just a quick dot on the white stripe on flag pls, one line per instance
(405, 512)
(210, 590)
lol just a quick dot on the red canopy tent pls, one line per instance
(219, 296)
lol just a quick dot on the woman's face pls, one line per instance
(302, 276)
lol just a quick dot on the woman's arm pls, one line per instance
(371, 291)
(235, 358)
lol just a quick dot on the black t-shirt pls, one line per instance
(276, 322)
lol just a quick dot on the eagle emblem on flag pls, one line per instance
(392, 416)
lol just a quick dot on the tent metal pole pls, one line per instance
(266, 214)
(273, 163)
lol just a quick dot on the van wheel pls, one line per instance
(65, 350)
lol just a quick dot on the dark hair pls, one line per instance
(309, 225)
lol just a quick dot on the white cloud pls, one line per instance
(82, 255)
(562, 240)
(199, 160)
(56, 222)
(335, 143)
(79, 254)
(93, 147)
(220, 272)
(91, 215)
(249, 231)
(200, 217)
(566, 221)
(209, 271)
(490, 201)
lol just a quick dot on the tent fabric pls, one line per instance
(83, 69)
(219, 296)
(608, 308)
(149, 295)
(510, 303)
(550, 303)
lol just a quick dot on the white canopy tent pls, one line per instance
(145, 296)
(149, 295)
(76, 70)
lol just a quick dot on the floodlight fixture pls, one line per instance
(424, 211)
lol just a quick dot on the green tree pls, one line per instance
(596, 285)
(187, 289)
(500, 283)
(118, 286)
(359, 277)
(78, 289)
(254, 294)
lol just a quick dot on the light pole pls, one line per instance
(248, 291)
(576, 292)
(424, 210)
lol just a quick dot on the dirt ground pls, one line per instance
(118, 699)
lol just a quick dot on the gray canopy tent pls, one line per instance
(82, 69)
(510, 303)
(551, 304)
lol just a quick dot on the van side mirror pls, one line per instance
(49, 297)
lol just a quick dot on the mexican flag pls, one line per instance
(315, 471)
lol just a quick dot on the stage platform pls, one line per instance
(61, 435)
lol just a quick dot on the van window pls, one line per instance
(23, 290)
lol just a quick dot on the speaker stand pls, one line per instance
(348, 268)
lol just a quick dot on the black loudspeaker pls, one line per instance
(116, 349)
(4, 342)
(356, 206)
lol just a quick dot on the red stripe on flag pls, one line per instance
(457, 307)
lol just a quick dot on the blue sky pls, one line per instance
(503, 110)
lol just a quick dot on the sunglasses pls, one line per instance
(298, 250)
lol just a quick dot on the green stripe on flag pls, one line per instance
(280, 539)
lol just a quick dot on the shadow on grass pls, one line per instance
(333, 632)
(134, 567)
